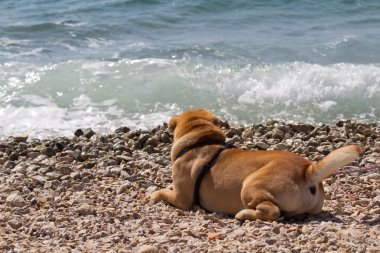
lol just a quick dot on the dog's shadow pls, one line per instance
(325, 216)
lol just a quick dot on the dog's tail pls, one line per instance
(316, 172)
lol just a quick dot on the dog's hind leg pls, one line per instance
(173, 197)
(265, 210)
(258, 203)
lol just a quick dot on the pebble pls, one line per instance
(15, 223)
(65, 169)
(122, 130)
(165, 138)
(47, 151)
(40, 179)
(141, 141)
(213, 236)
(85, 209)
(262, 146)
(78, 132)
(248, 133)
(276, 230)
(115, 171)
(150, 189)
(374, 176)
(271, 241)
(278, 134)
(148, 249)
(15, 200)
(237, 233)
(301, 128)
(88, 133)
(122, 188)
(20, 137)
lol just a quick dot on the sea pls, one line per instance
(103, 64)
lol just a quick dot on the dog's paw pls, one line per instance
(155, 196)
(246, 214)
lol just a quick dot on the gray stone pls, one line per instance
(124, 158)
(106, 172)
(75, 175)
(276, 230)
(248, 133)
(271, 241)
(325, 149)
(20, 138)
(150, 189)
(65, 169)
(115, 171)
(302, 128)
(262, 145)
(148, 249)
(88, 133)
(141, 141)
(374, 176)
(53, 175)
(234, 139)
(15, 223)
(20, 168)
(149, 149)
(40, 179)
(165, 138)
(122, 130)
(278, 134)
(122, 188)
(33, 154)
(78, 132)
(152, 142)
(47, 151)
(85, 209)
(15, 200)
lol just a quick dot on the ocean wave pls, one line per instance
(33, 27)
(109, 93)
(7, 42)
(209, 31)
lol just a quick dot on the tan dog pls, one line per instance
(248, 184)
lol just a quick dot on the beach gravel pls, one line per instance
(90, 193)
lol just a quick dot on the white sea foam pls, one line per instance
(95, 43)
(309, 83)
(7, 42)
(45, 118)
(340, 41)
(26, 53)
(58, 98)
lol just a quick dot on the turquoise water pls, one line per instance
(71, 64)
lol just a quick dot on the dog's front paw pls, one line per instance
(155, 196)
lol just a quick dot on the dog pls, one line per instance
(246, 184)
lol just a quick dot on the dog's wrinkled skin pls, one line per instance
(248, 184)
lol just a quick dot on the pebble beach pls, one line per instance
(78, 79)
(89, 192)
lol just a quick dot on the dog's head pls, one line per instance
(193, 119)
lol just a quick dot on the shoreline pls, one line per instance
(89, 192)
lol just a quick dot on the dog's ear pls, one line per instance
(217, 122)
(173, 122)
